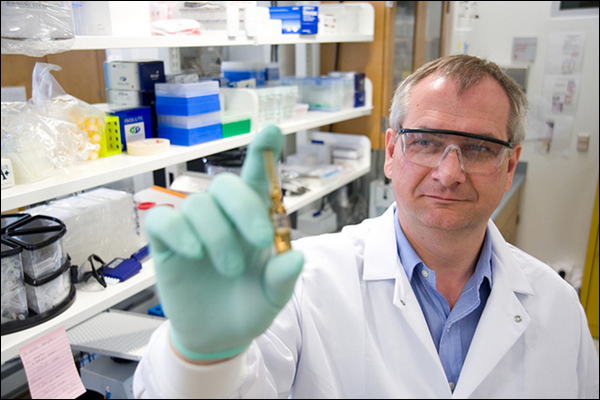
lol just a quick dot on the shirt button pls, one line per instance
(425, 273)
(451, 385)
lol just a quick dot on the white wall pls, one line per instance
(559, 192)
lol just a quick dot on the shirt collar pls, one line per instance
(410, 260)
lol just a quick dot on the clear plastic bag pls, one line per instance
(51, 132)
(37, 28)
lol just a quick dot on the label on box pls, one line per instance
(134, 131)
(134, 124)
(302, 20)
(8, 179)
(133, 75)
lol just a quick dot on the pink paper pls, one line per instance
(50, 368)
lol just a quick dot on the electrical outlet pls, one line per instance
(583, 142)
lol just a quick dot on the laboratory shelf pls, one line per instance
(114, 42)
(356, 24)
(322, 187)
(90, 299)
(294, 203)
(121, 166)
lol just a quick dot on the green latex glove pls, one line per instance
(219, 280)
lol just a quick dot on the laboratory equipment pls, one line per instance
(189, 113)
(279, 218)
(8, 220)
(124, 268)
(111, 376)
(14, 300)
(187, 98)
(45, 263)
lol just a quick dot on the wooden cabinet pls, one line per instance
(508, 218)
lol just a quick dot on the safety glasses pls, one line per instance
(476, 153)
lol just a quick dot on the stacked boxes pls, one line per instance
(276, 103)
(101, 221)
(189, 113)
(14, 299)
(45, 262)
(130, 84)
(354, 87)
(249, 74)
(337, 91)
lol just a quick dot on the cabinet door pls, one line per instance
(419, 35)
(589, 289)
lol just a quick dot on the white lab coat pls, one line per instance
(354, 329)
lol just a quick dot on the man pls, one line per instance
(427, 300)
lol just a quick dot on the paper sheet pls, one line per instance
(50, 368)
(561, 88)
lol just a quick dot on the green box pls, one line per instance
(235, 124)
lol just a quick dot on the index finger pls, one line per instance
(253, 170)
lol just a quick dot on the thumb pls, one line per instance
(280, 277)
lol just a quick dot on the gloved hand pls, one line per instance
(218, 278)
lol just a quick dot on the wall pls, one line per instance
(559, 192)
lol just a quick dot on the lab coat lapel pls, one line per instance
(382, 262)
(502, 322)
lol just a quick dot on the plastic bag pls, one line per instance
(37, 28)
(52, 132)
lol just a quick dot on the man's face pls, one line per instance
(445, 197)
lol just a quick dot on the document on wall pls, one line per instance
(524, 49)
(560, 94)
(561, 89)
(565, 52)
(50, 368)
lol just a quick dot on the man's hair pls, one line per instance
(467, 71)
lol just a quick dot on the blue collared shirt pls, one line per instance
(452, 331)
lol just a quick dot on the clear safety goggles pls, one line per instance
(476, 153)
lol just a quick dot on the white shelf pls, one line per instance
(360, 27)
(109, 169)
(322, 188)
(294, 203)
(114, 42)
(90, 300)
